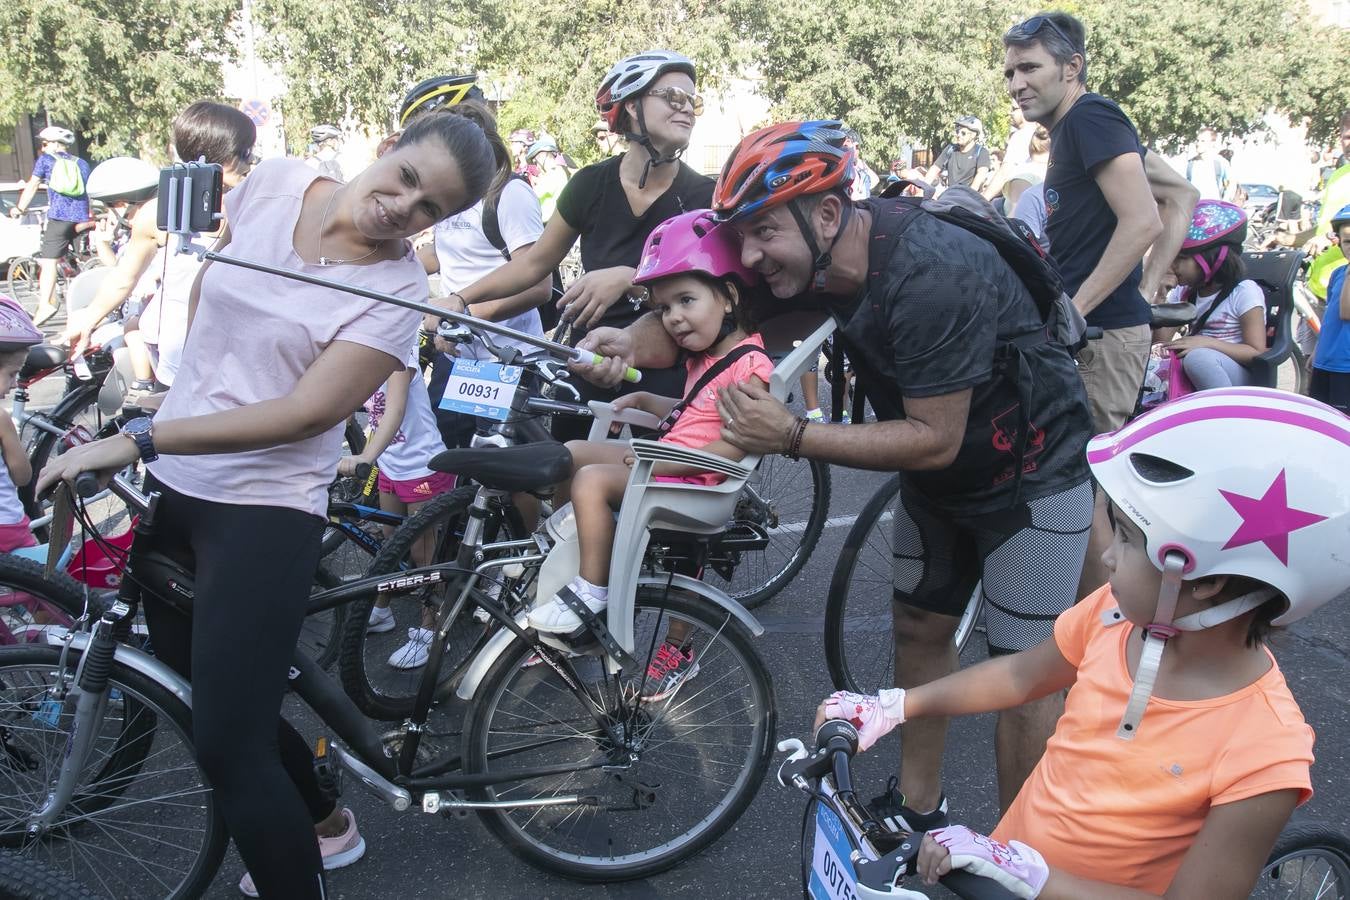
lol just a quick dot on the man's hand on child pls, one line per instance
(1014, 865)
(753, 420)
(874, 715)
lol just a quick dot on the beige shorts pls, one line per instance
(1112, 369)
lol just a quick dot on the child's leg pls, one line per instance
(389, 502)
(811, 394)
(141, 365)
(587, 453)
(598, 489)
(1208, 369)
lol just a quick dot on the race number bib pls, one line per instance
(481, 388)
(832, 875)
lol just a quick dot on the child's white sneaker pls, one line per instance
(556, 616)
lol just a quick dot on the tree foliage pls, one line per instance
(352, 60)
(116, 70)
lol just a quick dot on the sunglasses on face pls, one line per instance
(250, 157)
(1031, 27)
(678, 98)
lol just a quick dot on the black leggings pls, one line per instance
(254, 566)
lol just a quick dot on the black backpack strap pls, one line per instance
(704, 380)
(492, 226)
(1199, 323)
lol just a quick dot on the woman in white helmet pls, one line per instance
(1181, 752)
(611, 207)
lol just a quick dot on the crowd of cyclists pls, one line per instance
(1145, 567)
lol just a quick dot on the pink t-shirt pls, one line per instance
(699, 424)
(254, 335)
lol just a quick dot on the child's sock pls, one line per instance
(584, 589)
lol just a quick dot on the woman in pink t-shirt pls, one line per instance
(693, 272)
(245, 445)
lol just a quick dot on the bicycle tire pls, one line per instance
(377, 688)
(60, 591)
(1305, 862)
(321, 633)
(65, 415)
(29, 879)
(773, 494)
(865, 568)
(21, 277)
(133, 833)
(747, 713)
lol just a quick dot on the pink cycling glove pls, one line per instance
(1014, 865)
(874, 715)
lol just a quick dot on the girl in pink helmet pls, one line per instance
(1230, 326)
(1181, 752)
(692, 271)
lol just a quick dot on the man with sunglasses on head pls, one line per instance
(965, 160)
(1106, 205)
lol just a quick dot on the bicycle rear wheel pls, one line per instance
(141, 824)
(859, 649)
(677, 772)
(776, 501)
(1309, 862)
(22, 280)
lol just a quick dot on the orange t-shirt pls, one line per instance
(1126, 812)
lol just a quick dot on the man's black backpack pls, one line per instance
(492, 230)
(1016, 243)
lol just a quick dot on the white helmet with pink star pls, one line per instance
(1240, 481)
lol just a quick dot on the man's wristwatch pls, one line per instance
(141, 430)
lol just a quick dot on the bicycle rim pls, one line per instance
(1309, 862)
(859, 649)
(700, 753)
(31, 605)
(22, 279)
(143, 822)
(774, 499)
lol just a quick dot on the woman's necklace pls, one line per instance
(327, 261)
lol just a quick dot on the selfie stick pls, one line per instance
(180, 216)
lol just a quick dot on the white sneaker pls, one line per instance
(556, 617)
(381, 621)
(413, 655)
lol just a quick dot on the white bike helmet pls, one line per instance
(123, 179)
(1237, 481)
(628, 78)
(57, 134)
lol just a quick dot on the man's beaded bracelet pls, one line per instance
(795, 441)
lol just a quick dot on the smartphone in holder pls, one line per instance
(190, 197)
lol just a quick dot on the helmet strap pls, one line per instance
(1156, 634)
(1226, 611)
(1205, 266)
(654, 156)
(824, 260)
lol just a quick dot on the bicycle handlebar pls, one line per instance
(836, 743)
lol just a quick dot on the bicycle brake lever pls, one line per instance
(799, 752)
(548, 369)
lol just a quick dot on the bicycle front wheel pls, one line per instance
(665, 777)
(859, 649)
(774, 501)
(1309, 862)
(143, 822)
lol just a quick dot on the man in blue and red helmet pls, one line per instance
(994, 482)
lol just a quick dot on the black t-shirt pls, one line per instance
(594, 203)
(960, 166)
(930, 321)
(1079, 221)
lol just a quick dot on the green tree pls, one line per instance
(354, 59)
(116, 70)
(886, 71)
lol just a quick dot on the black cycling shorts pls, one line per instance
(1332, 388)
(56, 237)
(1027, 560)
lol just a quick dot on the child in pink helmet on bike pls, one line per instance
(693, 273)
(1181, 752)
(1229, 330)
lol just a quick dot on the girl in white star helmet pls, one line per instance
(1169, 772)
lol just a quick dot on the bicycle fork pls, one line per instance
(91, 700)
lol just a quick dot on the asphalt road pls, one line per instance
(413, 855)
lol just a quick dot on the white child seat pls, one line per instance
(691, 508)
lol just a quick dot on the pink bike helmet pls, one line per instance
(17, 331)
(693, 242)
(1216, 225)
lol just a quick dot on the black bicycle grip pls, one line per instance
(362, 471)
(840, 740)
(969, 886)
(86, 484)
